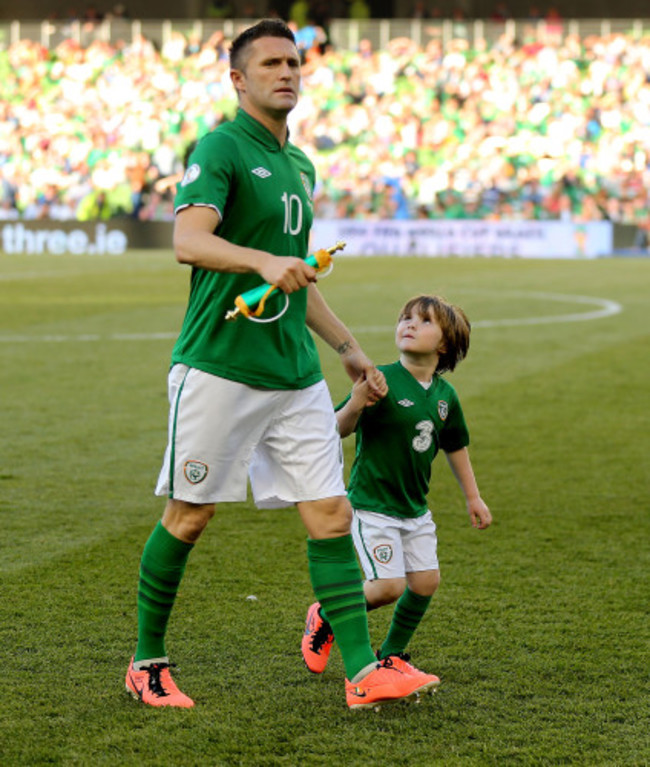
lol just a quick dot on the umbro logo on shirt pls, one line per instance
(406, 403)
(261, 172)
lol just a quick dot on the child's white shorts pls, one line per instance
(222, 432)
(390, 547)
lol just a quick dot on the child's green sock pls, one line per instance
(337, 584)
(161, 568)
(409, 611)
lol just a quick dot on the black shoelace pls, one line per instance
(155, 685)
(388, 662)
(323, 634)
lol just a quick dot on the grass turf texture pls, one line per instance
(539, 630)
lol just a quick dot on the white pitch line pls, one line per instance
(607, 308)
(60, 338)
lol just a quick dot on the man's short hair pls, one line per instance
(264, 28)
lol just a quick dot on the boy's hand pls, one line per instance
(362, 396)
(479, 513)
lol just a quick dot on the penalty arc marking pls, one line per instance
(604, 307)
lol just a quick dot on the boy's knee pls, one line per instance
(424, 583)
(383, 591)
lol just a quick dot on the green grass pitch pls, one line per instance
(539, 631)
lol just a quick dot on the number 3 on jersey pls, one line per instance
(292, 213)
(422, 442)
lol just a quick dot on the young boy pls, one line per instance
(397, 439)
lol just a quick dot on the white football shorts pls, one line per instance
(221, 433)
(390, 547)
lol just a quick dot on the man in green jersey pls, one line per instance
(249, 399)
(397, 440)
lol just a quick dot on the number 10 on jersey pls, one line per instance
(292, 213)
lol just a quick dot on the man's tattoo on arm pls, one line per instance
(343, 347)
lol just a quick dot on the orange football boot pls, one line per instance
(386, 684)
(400, 660)
(317, 640)
(154, 685)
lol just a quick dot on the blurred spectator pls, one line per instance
(94, 207)
(219, 9)
(359, 10)
(500, 12)
(552, 127)
(421, 10)
(299, 13)
(309, 39)
(118, 11)
(92, 14)
(534, 14)
(8, 211)
(553, 20)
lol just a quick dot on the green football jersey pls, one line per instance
(397, 440)
(263, 194)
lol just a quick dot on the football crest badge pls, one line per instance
(191, 174)
(195, 471)
(383, 553)
(307, 185)
(443, 409)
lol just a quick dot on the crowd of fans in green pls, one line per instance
(555, 129)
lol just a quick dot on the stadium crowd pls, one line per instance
(531, 129)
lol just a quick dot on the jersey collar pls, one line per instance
(258, 132)
(409, 376)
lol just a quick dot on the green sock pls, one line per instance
(409, 611)
(336, 580)
(161, 569)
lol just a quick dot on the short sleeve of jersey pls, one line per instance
(454, 434)
(209, 173)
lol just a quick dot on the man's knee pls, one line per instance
(186, 521)
(327, 517)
